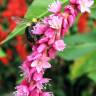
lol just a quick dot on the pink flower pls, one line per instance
(71, 20)
(27, 72)
(39, 29)
(41, 47)
(51, 40)
(49, 33)
(74, 1)
(65, 23)
(64, 31)
(37, 76)
(33, 56)
(35, 92)
(43, 40)
(85, 5)
(41, 63)
(69, 10)
(22, 90)
(39, 84)
(55, 7)
(59, 45)
(55, 22)
(52, 53)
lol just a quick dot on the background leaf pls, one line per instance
(37, 8)
(2, 53)
(84, 65)
(78, 45)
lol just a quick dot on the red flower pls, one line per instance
(3, 35)
(83, 23)
(4, 60)
(21, 49)
(9, 53)
(1, 2)
(14, 8)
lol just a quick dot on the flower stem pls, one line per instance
(43, 14)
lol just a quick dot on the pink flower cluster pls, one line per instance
(52, 30)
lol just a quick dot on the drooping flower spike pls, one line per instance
(52, 29)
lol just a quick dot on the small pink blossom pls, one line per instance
(35, 92)
(43, 40)
(51, 40)
(27, 72)
(69, 10)
(52, 53)
(39, 29)
(49, 33)
(74, 1)
(39, 84)
(41, 63)
(64, 31)
(55, 22)
(55, 7)
(85, 5)
(59, 45)
(65, 23)
(22, 90)
(71, 20)
(37, 76)
(33, 56)
(41, 47)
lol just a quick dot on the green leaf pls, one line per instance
(2, 53)
(74, 52)
(78, 45)
(37, 8)
(92, 76)
(84, 65)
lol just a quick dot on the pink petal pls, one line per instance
(49, 33)
(59, 45)
(55, 7)
(34, 63)
(37, 76)
(43, 40)
(41, 48)
(39, 29)
(52, 53)
(39, 68)
(51, 40)
(46, 65)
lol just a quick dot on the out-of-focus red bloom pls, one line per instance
(21, 49)
(83, 23)
(9, 53)
(3, 34)
(14, 8)
(1, 2)
(12, 24)
(4, 60)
